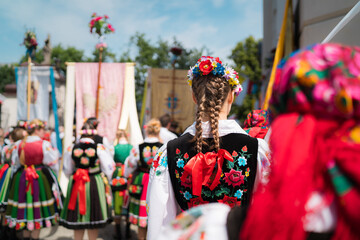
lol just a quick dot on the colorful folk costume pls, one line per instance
(257, 123)
(119, 181)
(181, 179)
(138, 163)
(88, 199)
(314, 187)
(5, 174)
(34, 198)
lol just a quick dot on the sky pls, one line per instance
(217, 25)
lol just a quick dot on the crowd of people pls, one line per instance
(291, 173)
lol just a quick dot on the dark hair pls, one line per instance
(210, 93)
(93, 122)
(17, 134)
(165, 119)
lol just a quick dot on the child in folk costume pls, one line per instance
(34, 198)
(215, 160)
(314, 187)
(88, 199)
(138, 163)
(119, 181)
(5, 175)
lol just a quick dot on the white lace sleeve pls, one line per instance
(132, 161)
(161, 203)
(108, 146)
(263, 164)
(68, 165)
(107, 163)
(51, 156)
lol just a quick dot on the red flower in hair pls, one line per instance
(206, 67)
(218, 60)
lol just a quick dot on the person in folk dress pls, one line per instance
(88, 200)
(119, 182)
(214, 160)
(34, 198)
(5, 176)
(138, 163)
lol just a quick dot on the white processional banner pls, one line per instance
(39, 93)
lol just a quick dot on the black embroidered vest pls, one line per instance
(237, 178)
(147, 153)
(85, 156)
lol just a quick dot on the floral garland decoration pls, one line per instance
(36, 125)
(206, 65)
(88, 132)
(101, 27)
(30, 42)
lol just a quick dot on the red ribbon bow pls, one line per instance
(30, 175)
(3, 169)
(201, 168)
(80, 177)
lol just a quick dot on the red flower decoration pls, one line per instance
(244, 149)
(186, 156)
(196, 202)
(156, 163)
(106, 16)
(111, 28)
(186, 182)
(37, 225)
(206, 67)
(218, 60)
(234, 178)
(234, 154)
(177, 151)
(231, 201)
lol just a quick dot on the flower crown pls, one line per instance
(88, 132)
(35, 125)
(207, 64)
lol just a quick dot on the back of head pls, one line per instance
(88, 130)
(165, 120)
(153, 127)
(35, 124)
(211, 82)
(121, 133)
(92, 122)
(17, 134)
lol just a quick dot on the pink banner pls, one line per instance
(112, 81)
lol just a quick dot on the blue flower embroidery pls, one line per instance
(187, 195)
(238, 194)
(164, 161)
(242, 161)
(180, 163)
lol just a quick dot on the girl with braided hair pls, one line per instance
(214, 160)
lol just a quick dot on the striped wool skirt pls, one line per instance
(88, 201)
(34, 198)
(5, 177)
(137, 202)
(118, 188)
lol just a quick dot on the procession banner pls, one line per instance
(39, 98)
(110, 96)
(161, 96)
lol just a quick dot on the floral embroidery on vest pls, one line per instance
(232, 187)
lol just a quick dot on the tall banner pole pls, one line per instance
(29, 88)
(173, 93)
(98, 84)
(278, 56)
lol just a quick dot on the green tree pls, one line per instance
(63, 55)
(148, 55)
(246, 56)
(106, 56)
(7, 76)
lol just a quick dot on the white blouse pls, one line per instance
(107, 164)
(161, 203)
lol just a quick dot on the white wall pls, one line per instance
(8, 112)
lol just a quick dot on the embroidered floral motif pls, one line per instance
(90, 152)
(187, 195)
(234, 154)
(180, 163)
(187, 182)
(78, 152)
(84, 161)
(149, 154)
(196, 202)
(244, 149)
(234, 178)
(231, 201)
(242, 161)
(238, 194)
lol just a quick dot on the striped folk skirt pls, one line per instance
(5, 177)
(97, 204)
(137, 202)
(119, 190)
(34, 199)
